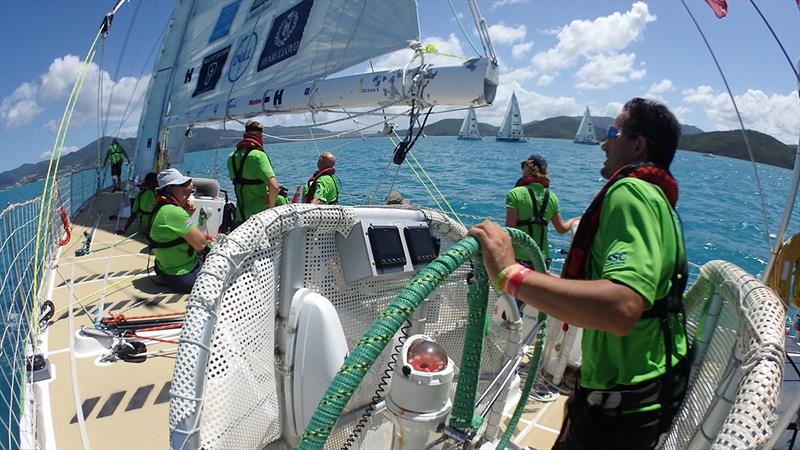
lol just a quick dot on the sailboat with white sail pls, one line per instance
(318, 326)
(469, 127)
(511, 128)
(585, 134)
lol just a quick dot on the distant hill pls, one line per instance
(86, 157)
(766, 149)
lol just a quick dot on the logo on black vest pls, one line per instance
(285, 36)
(211, 70)
(242, 57)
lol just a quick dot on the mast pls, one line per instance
(585, 134)
(511, 128)
(464, 131)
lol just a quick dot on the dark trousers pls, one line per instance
(116, 169)
(181, 284)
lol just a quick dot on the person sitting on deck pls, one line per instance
(323, 187)
(251, 172)
(174, 239)
(531, 205)
(115, 153)
(143, 204)
(623, 282)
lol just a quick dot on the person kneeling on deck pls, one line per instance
(143, 204)
(531, 205)
(623, 282)
(175, 241)
(252, 174)
(323, 187)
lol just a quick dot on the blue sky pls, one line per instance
(558, 56)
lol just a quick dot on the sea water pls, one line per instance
(719, 203)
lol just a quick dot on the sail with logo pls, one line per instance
(469, 128)
(236, 59)
(585, 134)
(511, 128)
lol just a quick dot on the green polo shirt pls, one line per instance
(328, 188)
(519, 199)
(637, 244)
(251, 198)
(172, 222)
(143, 205)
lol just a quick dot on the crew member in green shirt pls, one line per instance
(143, 204)
(174, 239)
(114, 154)
(531, 205)
(252, 174)
(323, 187)
(623, 282)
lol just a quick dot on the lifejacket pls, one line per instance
(576, 267)
(538, 211)
(312, 184)
(162, 201)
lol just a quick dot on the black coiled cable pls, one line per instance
(387, 375)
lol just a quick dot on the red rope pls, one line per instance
(67, 228)
(122, 318)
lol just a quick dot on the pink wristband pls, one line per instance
(515, 281)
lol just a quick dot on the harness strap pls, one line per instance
(172, 243)
(538, 214)
(238, 180)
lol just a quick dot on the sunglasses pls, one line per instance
(613, 133)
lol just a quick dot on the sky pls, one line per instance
(558, 56)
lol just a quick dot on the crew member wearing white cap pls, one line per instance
(173, 237)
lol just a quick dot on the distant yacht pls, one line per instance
(585, 134)
(469, 128)
(511, 129)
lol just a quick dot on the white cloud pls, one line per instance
(20, 107)
(682, 113)
(591, 40)
(533, 105)
(501, 3)
(519, 75)
(66, 149)
(399, 58)
(656, 90)
(544, 80)
(603, 71)
(501, 33)
(29, 100)
(613, 109)
(773, 114)
(519, 50)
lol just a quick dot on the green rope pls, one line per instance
(463, 416)
(533, 369)
(375, 339)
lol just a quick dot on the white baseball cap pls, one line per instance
(171, 177)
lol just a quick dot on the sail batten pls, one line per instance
(585, 134)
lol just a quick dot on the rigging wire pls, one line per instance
(461, 26)
(311, 132)
(117, 70)
(780, 44)
(741, 126)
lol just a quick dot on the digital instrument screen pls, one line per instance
(421, 245)
(387, 248)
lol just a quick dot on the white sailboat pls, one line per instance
(303, 315)
(585, 134)
(511, 128)
(469, 127)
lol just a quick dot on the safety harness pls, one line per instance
(312, 184)
(251, 141)
(160, 203)
(660, 389)
(538, 215)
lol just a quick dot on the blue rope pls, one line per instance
(458, 21)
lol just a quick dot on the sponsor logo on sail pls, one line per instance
(285, 35)
(242, 57)
(254, 101)
(224, 21)
(211, 70)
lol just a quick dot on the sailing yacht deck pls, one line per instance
(119, 400)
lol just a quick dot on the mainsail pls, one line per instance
(511, 129)
(469, 128)
(585, 134)
(236, 59)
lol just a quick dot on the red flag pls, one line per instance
(720, 7)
